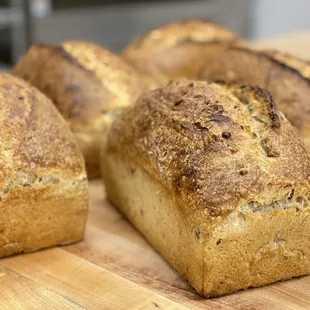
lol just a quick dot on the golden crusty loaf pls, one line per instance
(179, 49)
(286, 77)
(87, 83)
(43, 184)
(217, 181)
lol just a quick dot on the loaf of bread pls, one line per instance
(88, 84)
(43, 184)
(217, 180)
(178, 50)
(287, 78)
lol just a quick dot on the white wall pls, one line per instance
(274, 17)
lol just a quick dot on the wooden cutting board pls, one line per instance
(115, 268)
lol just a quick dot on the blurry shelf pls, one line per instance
(114, 25)
(15, 24)
(4, 67)
(10, 17)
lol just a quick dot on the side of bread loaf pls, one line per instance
(43, 184)
(87, 83)
(284, 76)
(178, 50)
(217, 181)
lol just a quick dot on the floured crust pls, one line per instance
(43, 181)
(284, 76)
(176, 50)
(217, 180)
(87, 83)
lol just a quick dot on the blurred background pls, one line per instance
(113, 23)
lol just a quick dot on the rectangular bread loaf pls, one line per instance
(216, 179)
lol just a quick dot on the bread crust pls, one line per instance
(218, 160)
(44, 196)
(284, 76)
(87, 83)
(223, 136)
(179, 49)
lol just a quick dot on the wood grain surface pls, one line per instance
(115, 268)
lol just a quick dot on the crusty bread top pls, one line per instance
(285, 77)
(114, 72)
(198, 31)
(35, 141)
(84, 80)
(178, 50)
(296, 65)
(212, 145)
(302, 67)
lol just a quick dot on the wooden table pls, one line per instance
(115, 268)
